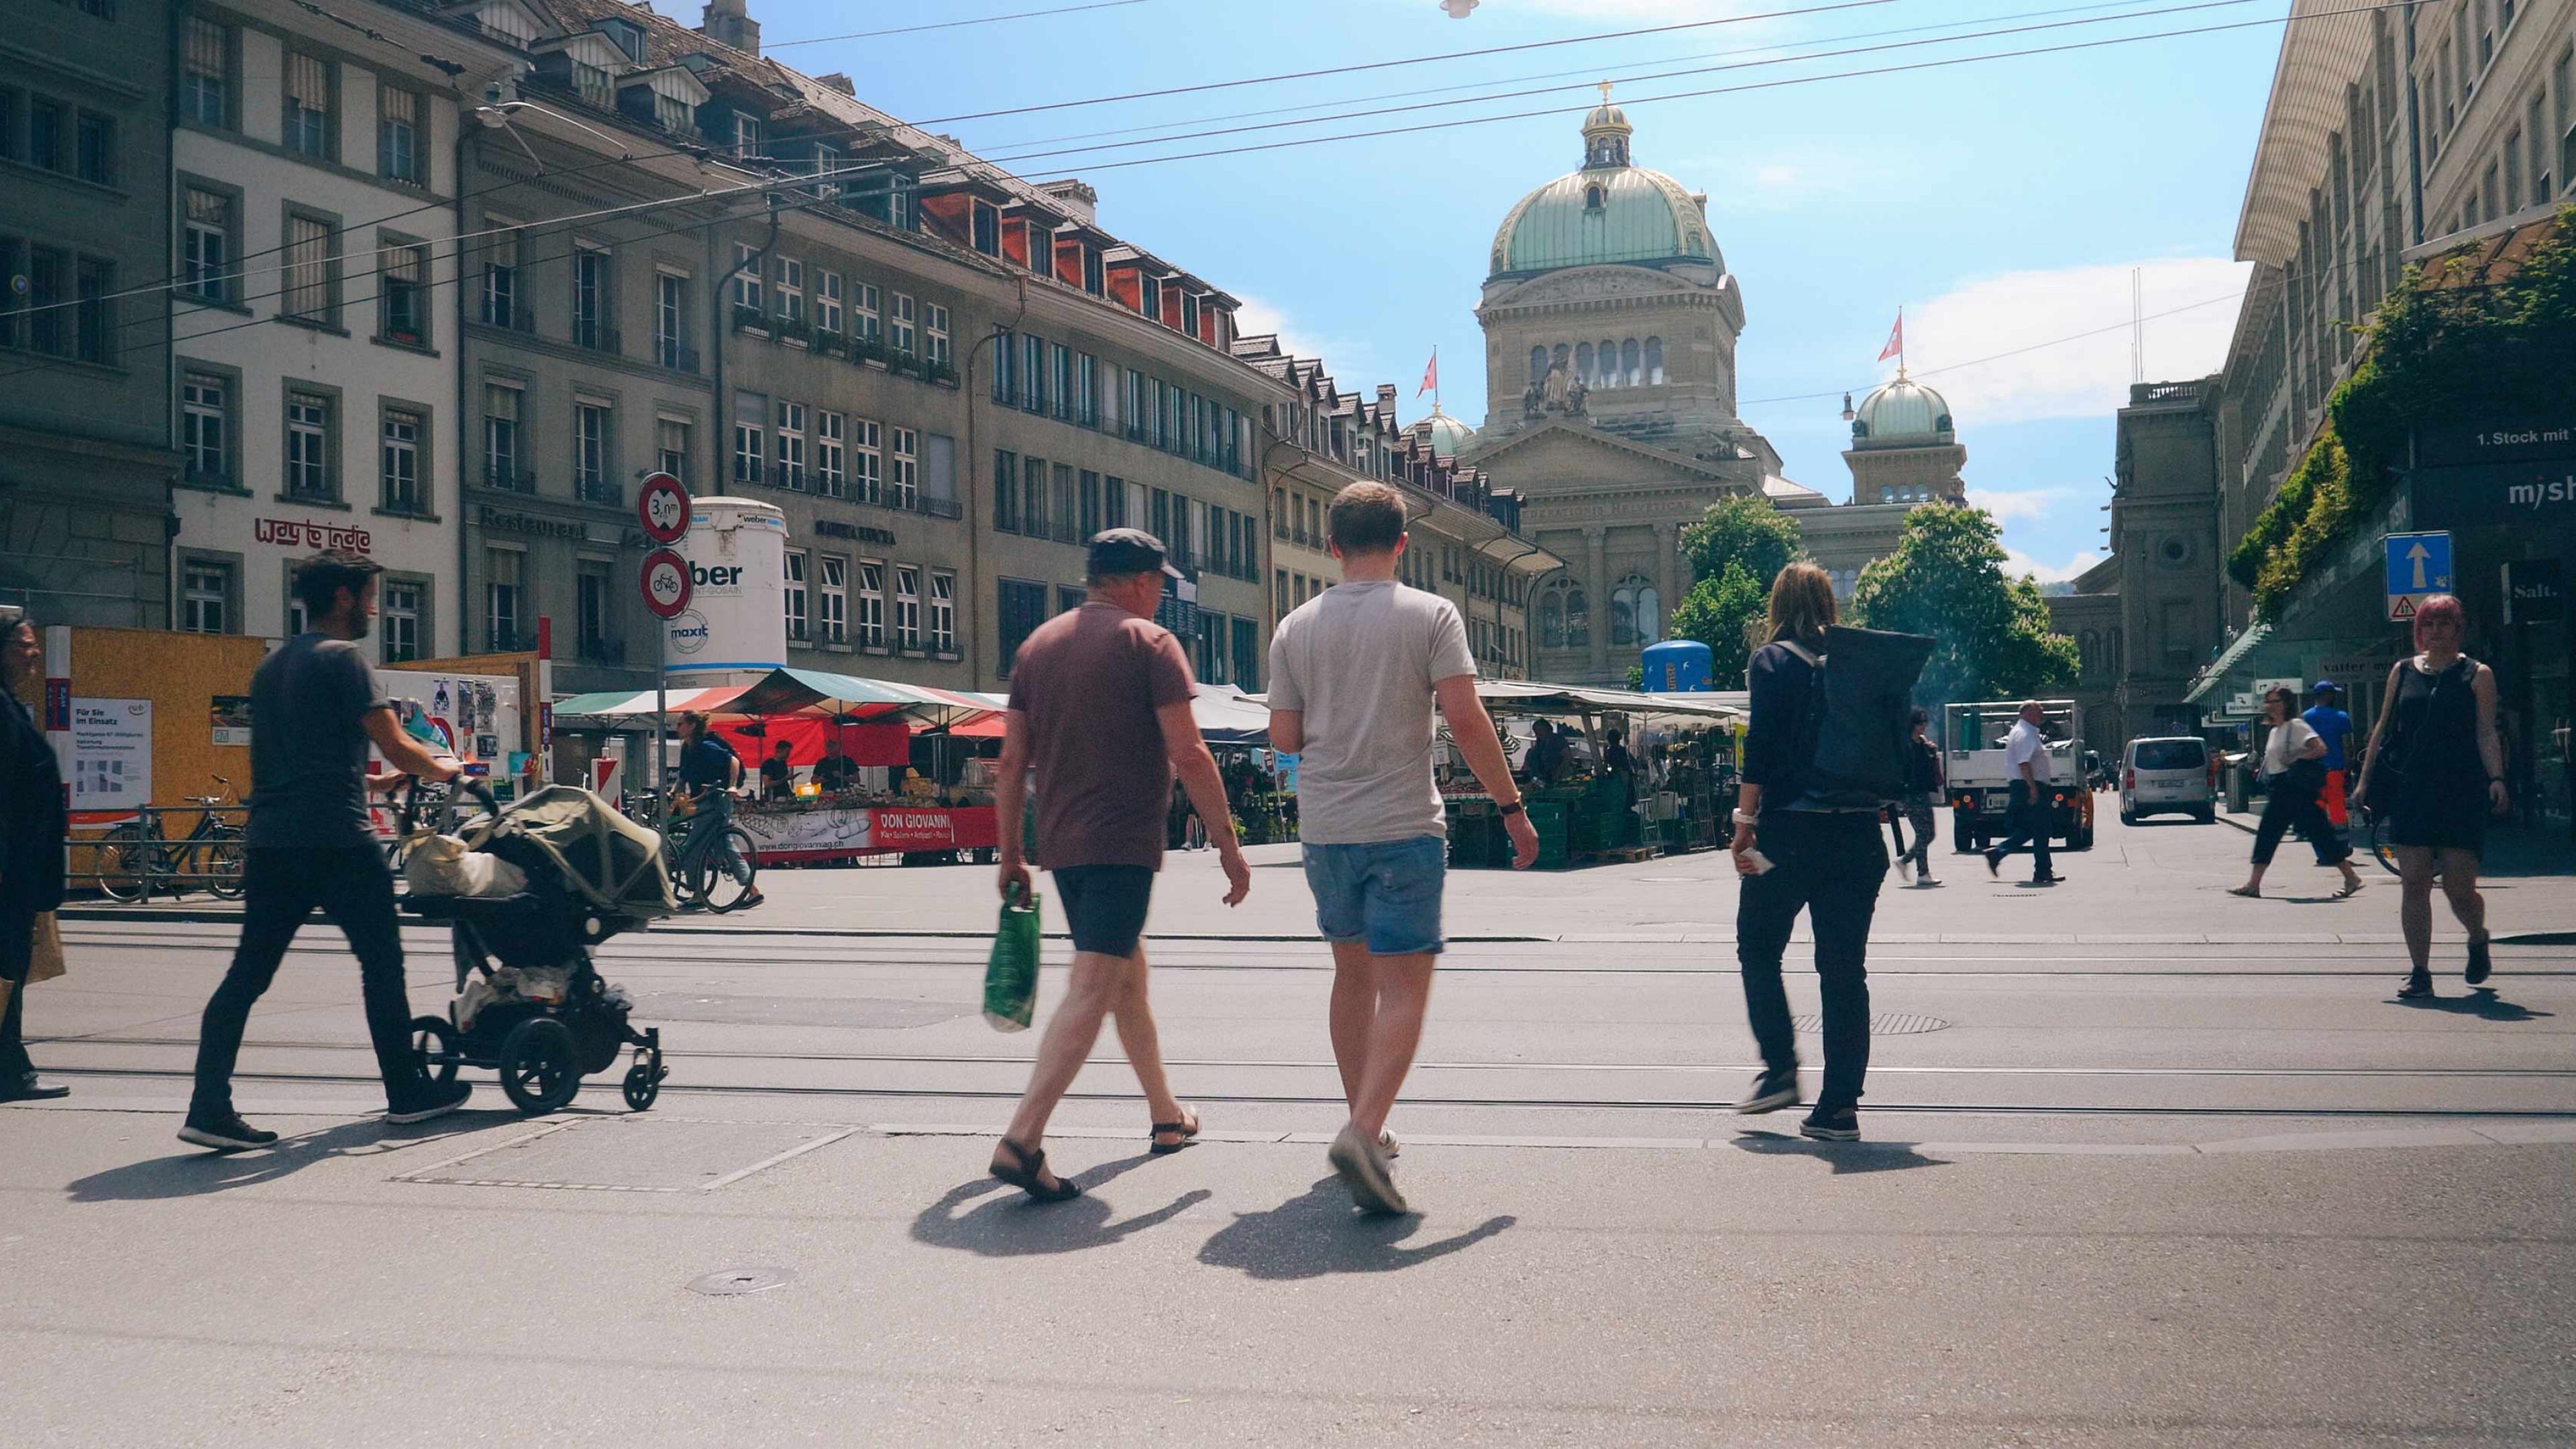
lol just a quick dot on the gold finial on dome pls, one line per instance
(1605, 93)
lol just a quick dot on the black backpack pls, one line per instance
(1865, 714)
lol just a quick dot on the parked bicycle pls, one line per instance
(135, 859)
(697, 870)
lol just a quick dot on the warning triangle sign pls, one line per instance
(2401, 609)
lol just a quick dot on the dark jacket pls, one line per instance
(1780, 743)
(32, 820)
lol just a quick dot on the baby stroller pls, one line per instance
(567, 872)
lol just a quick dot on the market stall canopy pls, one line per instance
(799, 691)
(1228, 716)
(627, 703)
(1513, 696)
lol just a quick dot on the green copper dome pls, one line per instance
(1445, 434)
(1902, 414)
(1609, 213)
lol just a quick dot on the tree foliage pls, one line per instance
(1735, 550)
(1991, 635)
(2446, 343)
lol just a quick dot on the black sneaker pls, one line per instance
(1995, 863)
(223, 1131)
(2418, 985)
(429, 1099)
(1837, 1126)
(1771, 1092)
(2480, 968)
(2052, 878)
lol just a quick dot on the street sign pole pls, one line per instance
(662, 506)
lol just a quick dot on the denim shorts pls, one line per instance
(1386, 893)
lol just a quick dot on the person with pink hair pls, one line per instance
(2435, 768)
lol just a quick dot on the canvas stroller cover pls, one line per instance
(604, 859)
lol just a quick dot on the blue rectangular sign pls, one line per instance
(2419, 566)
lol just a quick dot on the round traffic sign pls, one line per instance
(662, 505)
(666, 583)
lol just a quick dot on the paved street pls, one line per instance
(2145, 1164)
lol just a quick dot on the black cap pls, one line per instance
(1118, 552)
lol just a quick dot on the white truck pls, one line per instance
(1980, 784)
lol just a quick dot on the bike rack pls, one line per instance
(168, 865)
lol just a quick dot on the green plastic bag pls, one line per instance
(1011, 976)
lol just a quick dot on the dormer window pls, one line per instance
(746, 135)
(593, 85)
(987, 233)
(673, 113)
(628, 35)
(1592, 198)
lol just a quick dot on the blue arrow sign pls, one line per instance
(2419, 566)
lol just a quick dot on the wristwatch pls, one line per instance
(1513, 808)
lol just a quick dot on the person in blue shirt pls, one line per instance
(2325, 715)
(709, 772)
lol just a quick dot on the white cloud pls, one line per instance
(2030, 503)
(2085, 377)
(2017, 563)
(1354, 363)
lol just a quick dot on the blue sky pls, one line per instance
(2002, 204)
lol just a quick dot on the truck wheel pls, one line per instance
(1963, 835)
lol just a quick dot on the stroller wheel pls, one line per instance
(537, 1067)
(643, 1085)
(435, 1040)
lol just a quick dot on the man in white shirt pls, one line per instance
(2026, 755)
(1354, 675)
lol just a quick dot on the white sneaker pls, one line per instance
(1361, 1165)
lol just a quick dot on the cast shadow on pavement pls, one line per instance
(1008, 1223)
(195, 1171)
(1843, 1157)
(1317, 1233)
(2481, 1002)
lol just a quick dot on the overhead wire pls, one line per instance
(950, 24)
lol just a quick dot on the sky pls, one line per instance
(2005, 205)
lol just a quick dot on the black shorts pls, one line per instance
(1105, 905)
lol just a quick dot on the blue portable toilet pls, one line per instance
(1678, 666)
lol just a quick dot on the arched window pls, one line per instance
(1551, 619)
(1654, 362)
(1609, 364)
(1583, 364)
(1633, 370)
(1634, 612)
(1564, 357)
(1538, 364)
(1592, 198)
(1650, 615)
(1578, 619)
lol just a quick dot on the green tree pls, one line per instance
(1721, 613)
(1946, 579)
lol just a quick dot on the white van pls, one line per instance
(2174, 776)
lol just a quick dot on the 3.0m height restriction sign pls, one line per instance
(662, 506)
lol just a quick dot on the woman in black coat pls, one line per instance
(32, 830)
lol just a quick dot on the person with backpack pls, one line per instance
(1804, 842)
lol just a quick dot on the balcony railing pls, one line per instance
(509, 479)
(600, 490)
(589, 333)
(942, 508)
(508, 312)
(672, 353)
(749, 319)
(788, 475)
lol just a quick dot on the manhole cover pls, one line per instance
(1890, 1025)
(740, 1280)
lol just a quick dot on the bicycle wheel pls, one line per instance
(718, 888)
(2380, 849)
(123, 858)
(223, 858)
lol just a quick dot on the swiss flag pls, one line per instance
(1895, 341)
(1430, 375)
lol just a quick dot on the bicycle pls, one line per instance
(688, 847)
(133, 856)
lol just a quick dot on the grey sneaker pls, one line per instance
(1361, 1165)
(1771, 1092)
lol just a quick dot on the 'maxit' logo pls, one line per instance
(689, 632)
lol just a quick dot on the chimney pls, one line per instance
(839, 82)
(1386, 399)
(727, 21)
(1077, 198)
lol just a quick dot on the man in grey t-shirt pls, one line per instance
(1354, 675)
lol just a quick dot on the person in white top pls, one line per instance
(2026, 755)
(2294, 780)
(1354, 675)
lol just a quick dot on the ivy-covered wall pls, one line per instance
(2442, 348)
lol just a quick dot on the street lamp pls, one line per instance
(1848, 414)
(1457, 8)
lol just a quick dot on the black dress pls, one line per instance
(32, 827)
(2441, 797)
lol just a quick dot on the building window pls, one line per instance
(1066, 509)
(899, 323)
(746, 280)
(398, 150)
(934, 335)
(206, 598)
(863, 308)
(791, 445)
(45, 135)
(592, 585)
(593, 477)
(1060, 378)
(831, 476)
(308, 270)
(903, 480)
(1636, 612)
(94, 148)
(501, 276)
(308, 448)
(503, 592)
(1033, 497)
(943, 613)
(398, 615)
(868, 476)
(750, 438)
(308, 105)
(827, 302)
(501, 437)
(404, 488)
(791, 291)
(591, 301)
(1086, 390)
(1023, 608)
(402, 296)
(871, 618)
(1006, 491)
(794, 596)
(671, 447)
(1033, 373)
(673, 113)
(671, 322)
(94, 284)
(1091, 523)
(986, 229)
(746, 134)
(835, 599)
(907, 606)
(205, 428)
(205, 78)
